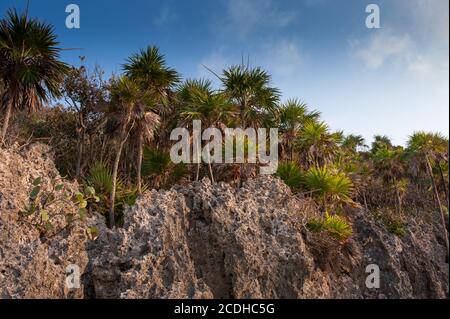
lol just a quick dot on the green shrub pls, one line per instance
(393, 223)
(334, 225)
(337, 227)
(155, 162)
(44, 206)
(315, 225)
(291, 174)
(329, 185)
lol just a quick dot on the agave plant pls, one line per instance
(329, 186)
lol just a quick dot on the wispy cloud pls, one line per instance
(382, 47)
(244, 17)
(166, 15)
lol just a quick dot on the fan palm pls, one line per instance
(126, 111)
(329, 185)
(317, 143)
(427, 147)
(200, 102)
(293, 115)
(380, 142)
(291, 174)
(149, 70)
(250, 90)
(29, 64)
(352, 143)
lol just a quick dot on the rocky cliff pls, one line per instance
(211, 241)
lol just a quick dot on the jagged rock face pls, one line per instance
(205, 241)
(31, 267)
(211, 241)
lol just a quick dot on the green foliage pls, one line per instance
(315, 225)
(47, 204)
(291, 174)
(335, 225)
(100, 178)
(328, 184)
(155, 162)
(393, 222)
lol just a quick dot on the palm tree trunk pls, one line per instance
(438, 201)
(210, 166)
(6, 122)
(112, 197)
(197, 175)
(139, 164)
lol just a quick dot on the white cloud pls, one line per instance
(282, 57)
(244, 17)
(166, 15)
(381, 47)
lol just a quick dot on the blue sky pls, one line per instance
(393, 80)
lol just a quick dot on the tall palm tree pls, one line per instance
(29, 64)
(250, 90)
(293, 115)
(200, 102)
(381, 141)
(149, 70)
(318, 144)
(126, 112)
(426, 148)
(389, 165)
(352, 143)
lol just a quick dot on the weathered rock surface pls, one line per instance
(204, 241)
(30, 266)
(210, 241)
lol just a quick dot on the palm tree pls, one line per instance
(149, 70)
(29, 65)
(389, 165)
(293, 115)
(329, 185)
(381, 141)
(426, 148)
(250, 90)
(126, 112)
(352, 143)
(318, 144)
(200, 102)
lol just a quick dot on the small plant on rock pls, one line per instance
(334, 225)
(55, 208)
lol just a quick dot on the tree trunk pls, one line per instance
(139, 164)
(197, 176)
(210, 166)
(438, 201)
(6, 122)
(79, 156)
(112, 197)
